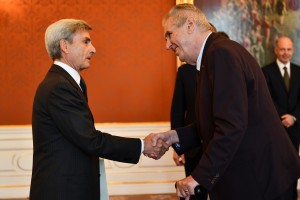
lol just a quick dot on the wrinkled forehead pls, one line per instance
(169, 26)
(167, 22)
(82, 32)
(81, 35)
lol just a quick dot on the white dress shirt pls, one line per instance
(75, 75)
(199, 59)
(282, 65)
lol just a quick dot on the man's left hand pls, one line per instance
(185, 187)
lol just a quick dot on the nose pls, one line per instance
(168, 44)
(93, 51)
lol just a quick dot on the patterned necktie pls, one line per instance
(83, 87)
(286, 79)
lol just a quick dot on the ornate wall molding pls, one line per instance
(148, 176)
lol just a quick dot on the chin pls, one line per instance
(84, 67)
(181, 59)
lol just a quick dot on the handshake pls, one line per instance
(156, 144)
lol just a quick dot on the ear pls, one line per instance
(190, 24)
(63, 45)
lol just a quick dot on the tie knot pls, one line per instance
(285, 68)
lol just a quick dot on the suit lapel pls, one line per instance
(294, 84)
(61, 71)
(203, 68)
(209, 40)
(293, 78)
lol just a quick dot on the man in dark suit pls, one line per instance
(285, 95)
(247, 154)
(182, 114)
(66, 144)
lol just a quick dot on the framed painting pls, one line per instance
(256, 24)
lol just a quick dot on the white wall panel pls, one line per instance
(148, 176)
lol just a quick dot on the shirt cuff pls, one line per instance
(142, 146)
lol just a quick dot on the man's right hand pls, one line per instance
(160, 143)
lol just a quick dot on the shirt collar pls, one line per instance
(199, 59)
(73, 73)
(281, 65)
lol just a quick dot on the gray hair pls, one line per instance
(62, 29)
(181, 12)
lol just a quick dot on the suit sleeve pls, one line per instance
(275, 88)
(73, 118)
(188, 137)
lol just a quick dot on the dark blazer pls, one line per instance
(66, 144)
(183, 102)
(183, 107)
(247, 154)
(183, 113)
(285, 103)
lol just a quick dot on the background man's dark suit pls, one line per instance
(65, 138)
(247, 154)
(284, 101)
(183, 113)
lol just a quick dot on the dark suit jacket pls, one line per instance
(183, 113)
(183, 108)
(66, 144)
(247, 154)
(183, 102)
(285, 103)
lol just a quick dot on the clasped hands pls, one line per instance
(156, 144)
(287, 120)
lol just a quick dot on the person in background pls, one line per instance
(283, 79)
(246, 152)
(182, 114)
(66, 145)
